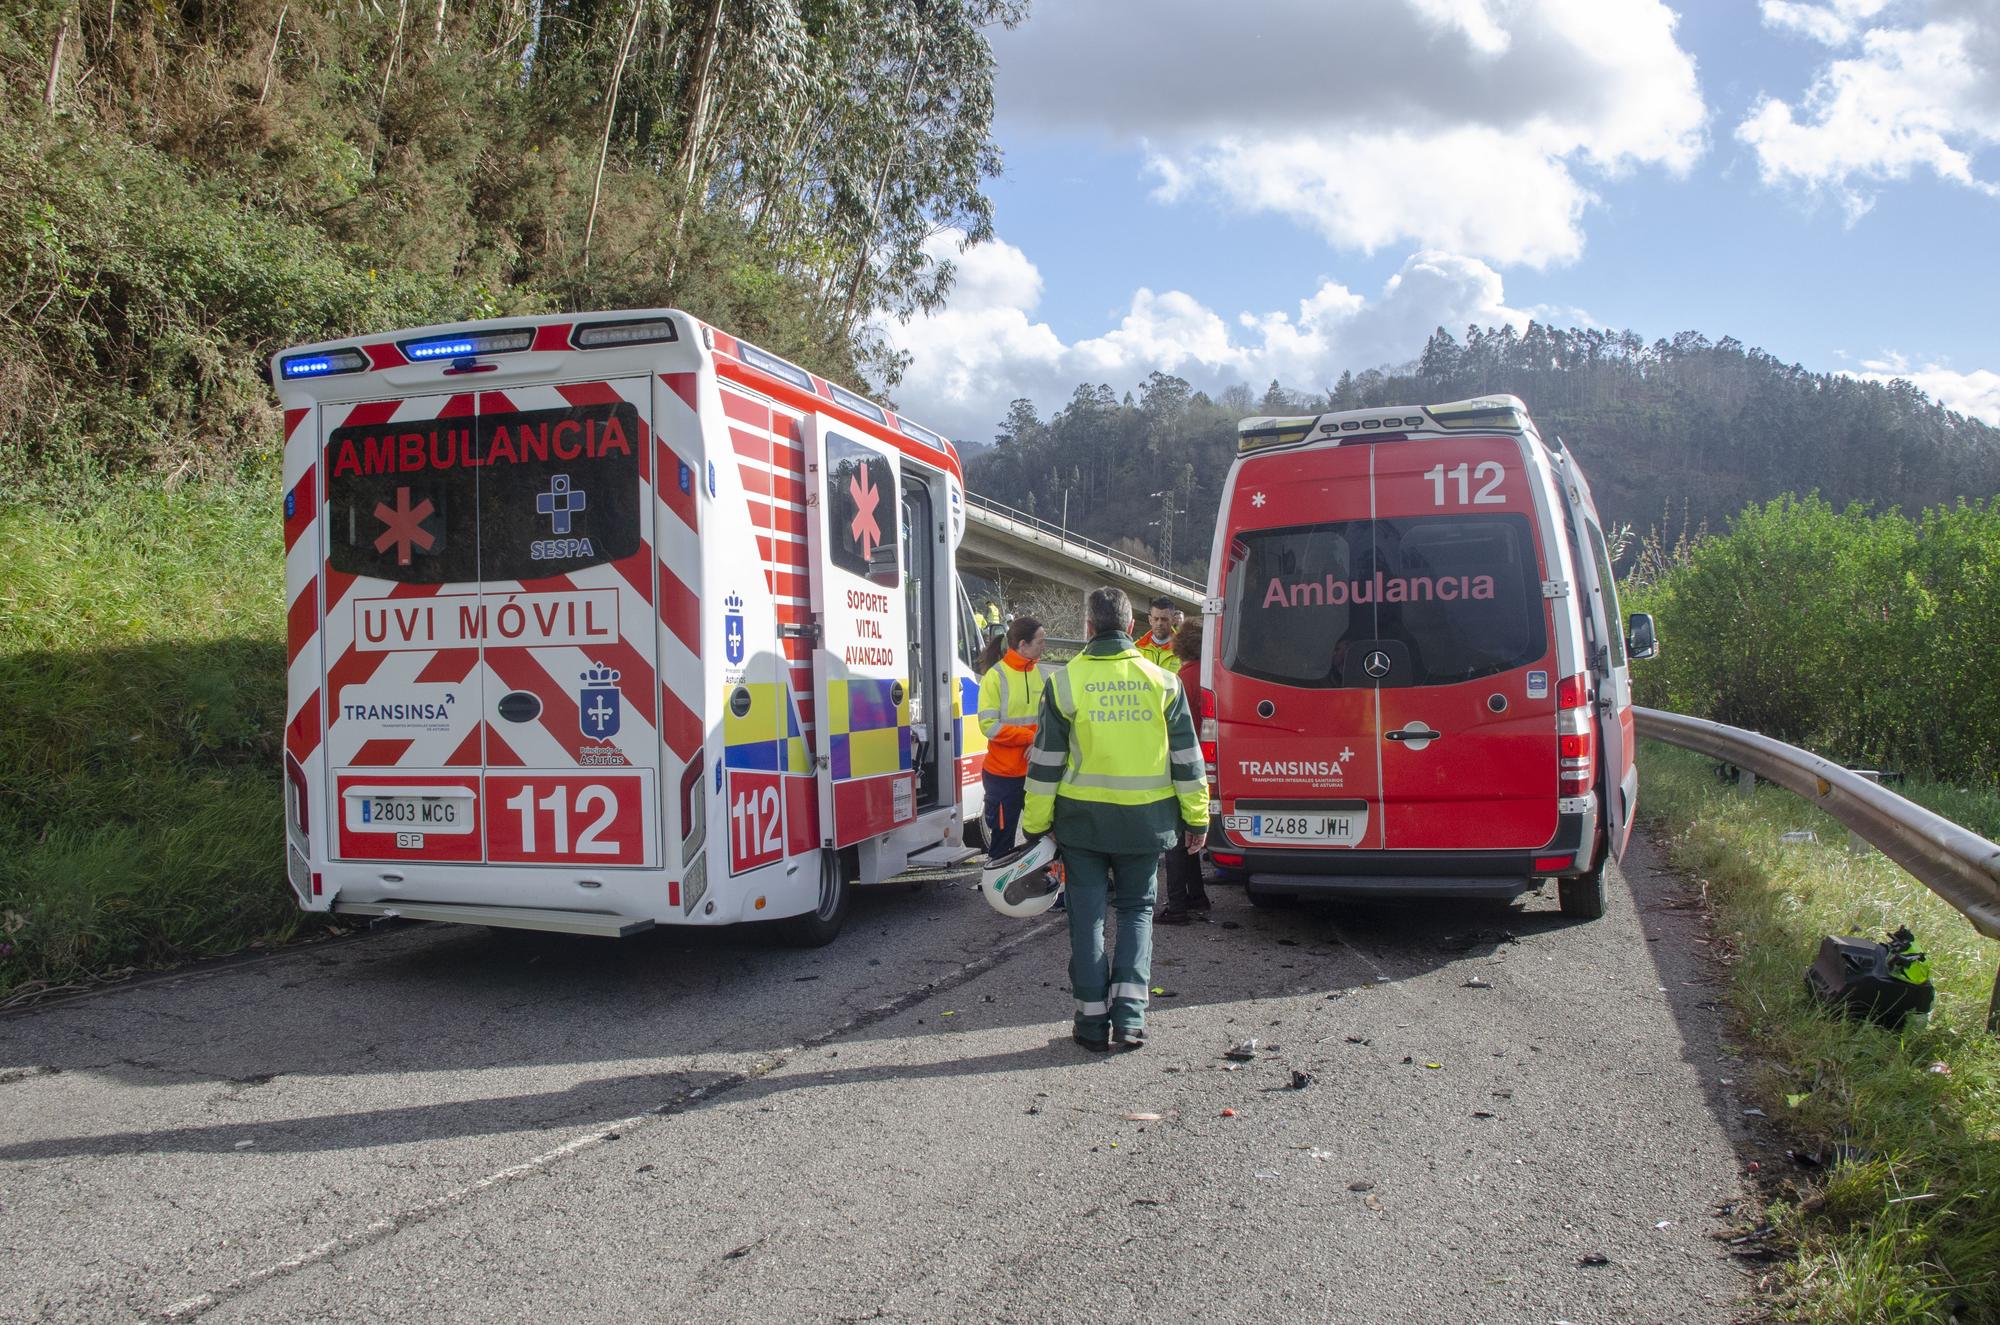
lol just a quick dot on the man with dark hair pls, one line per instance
(1158, 645)
(1117, 773)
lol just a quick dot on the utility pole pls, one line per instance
(1165, 524)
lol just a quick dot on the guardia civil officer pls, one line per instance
(1116, 772)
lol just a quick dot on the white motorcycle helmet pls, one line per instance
(1023, 883)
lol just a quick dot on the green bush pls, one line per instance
(142, 671)
(1868, 638)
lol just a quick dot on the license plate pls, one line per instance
(405, 812)
(1341, 829)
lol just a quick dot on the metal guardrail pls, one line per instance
(1952, 861)
(1126, 563)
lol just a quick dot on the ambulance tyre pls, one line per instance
(820, 926)
(1267, 900)
(1582, 898)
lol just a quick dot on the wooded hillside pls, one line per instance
(186, 185)
(1676, 435)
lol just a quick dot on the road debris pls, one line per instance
(1141, 1117)
(1301, 1080)
(1229, 1113)
(1593, 1259)
(1476, 983)
(1361, 1185)
(1243, 1051)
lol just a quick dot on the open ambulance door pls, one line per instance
(1611, 670)
(861, 681)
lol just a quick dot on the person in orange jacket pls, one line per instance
(1010, 704)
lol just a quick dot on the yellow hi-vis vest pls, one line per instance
(1160, 655)
(1009, 699)
(1116, 706)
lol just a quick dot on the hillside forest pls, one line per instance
(187, 185)
(1677, 436)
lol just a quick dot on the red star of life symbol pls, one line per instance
(865, 530)
(405, 526)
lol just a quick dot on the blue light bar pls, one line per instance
(322, 365)
(467, 345)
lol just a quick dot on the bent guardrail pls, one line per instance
(1952, 861)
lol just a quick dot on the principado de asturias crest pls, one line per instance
(732, 629)
(598, 703)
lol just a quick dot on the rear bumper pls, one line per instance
(1425, 873)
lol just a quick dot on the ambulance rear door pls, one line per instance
(861, 677)
(404, 689)
(1466, 646)
(1296, 744)
(565, 604)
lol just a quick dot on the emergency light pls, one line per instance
(322, 365)
(467, 347)
(600, 335)
(775, 366)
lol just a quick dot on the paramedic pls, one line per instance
(1158, 645)
(1186, 897)
(1117, 773)
(1010, 704)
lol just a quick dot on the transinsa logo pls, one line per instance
(1289, 768)
(1331, 592)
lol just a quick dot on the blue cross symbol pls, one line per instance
(559, 502)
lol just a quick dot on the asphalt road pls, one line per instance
(441, 1124)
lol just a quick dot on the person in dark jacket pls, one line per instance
(1187, 899)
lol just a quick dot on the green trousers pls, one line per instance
(1110, 992)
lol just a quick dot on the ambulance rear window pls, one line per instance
(519, 495)
(1461, 593)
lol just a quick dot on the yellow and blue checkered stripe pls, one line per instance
(971, 740)
(751, 741)
(868, 728)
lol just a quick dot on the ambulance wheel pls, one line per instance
(1583, 897)
(821, 925)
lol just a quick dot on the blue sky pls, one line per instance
(1286, 188)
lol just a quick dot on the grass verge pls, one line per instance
(142, 675)
(1903, 1223)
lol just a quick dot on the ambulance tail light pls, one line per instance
(1576, 740)
(1205, 709)
(1229, 860)
(511, 341)
(295, 795)
(330, 364)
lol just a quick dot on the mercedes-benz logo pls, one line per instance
(1376, 664)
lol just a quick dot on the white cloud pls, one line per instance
(1975, 394)
(1466, 125)
(1922, 97)
(985, 348)
(1833, 24)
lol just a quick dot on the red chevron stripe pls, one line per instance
(381, 754)
(301, 622)
(680, 609)
(679, 726)
(302, 733)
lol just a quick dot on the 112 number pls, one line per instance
(592, 842)
(1489, 470)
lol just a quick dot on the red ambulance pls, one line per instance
(1420, 674)
(605, 621)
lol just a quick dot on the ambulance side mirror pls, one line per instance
(1640, 640)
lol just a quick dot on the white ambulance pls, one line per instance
(609, 621)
